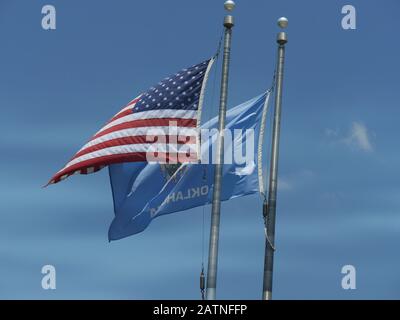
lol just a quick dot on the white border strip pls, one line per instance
(201, 102)
(261, 137)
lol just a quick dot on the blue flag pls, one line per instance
(143, 191)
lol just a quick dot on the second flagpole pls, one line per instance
(216, 201)
(269, 207)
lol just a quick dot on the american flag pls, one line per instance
(175, 100)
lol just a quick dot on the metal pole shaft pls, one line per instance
(270, 206)
(216, 202)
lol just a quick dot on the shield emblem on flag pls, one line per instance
(173, 171)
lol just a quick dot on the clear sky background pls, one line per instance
(339, 195)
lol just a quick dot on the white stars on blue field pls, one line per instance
(180, 91)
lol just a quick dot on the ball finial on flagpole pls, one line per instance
(283, 22)
(229, 5)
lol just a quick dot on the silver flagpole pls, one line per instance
(269, 208)
(216, 202)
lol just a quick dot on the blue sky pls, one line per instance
(339, 194)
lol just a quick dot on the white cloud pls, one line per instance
(284, 184)
(331, 133)
(295, 180)
(359, 137)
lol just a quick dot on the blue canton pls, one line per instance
(180, 91)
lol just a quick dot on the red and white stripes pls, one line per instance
(128, 137)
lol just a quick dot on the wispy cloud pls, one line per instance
(295, 180)
(357, 137)
(284, 184)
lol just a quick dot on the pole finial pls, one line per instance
(283, 22)
(229, 5)
(282, 37)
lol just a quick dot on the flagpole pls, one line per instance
(216, 201)
(269, 208)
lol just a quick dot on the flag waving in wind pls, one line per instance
(144, 191)
(177, 99)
